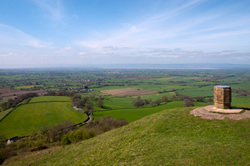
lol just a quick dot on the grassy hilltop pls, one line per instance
(170, 137)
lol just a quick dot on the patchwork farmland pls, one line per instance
(119, 96)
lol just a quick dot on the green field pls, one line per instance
(49, 98)
(3, 113)
(30, 117)
(170, 137)
(137, 113)
(156, 96)
(118, 103)
(197, 92)
(238, 100)
(246, 106)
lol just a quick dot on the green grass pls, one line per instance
(3, 113)
(196, 92)
(238, 100)
(1, 102)
(156, 96)
(30, 117)
(49, 98)
(137, 113)
(170, 137)
(247, 105)
(118, 103)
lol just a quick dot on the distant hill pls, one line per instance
(170, 137)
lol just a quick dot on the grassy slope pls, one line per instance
(30, 117)
(137, 113)
(50, 98)
(170, 137)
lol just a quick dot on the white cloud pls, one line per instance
(12, 36)
(67, 48)
(206, 31)
(81, 53)
(52, 8)
(6, 55)
(144, 33)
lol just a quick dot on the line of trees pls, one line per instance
(141, 102)
(60, 93)
(11, 103)
(188, 100)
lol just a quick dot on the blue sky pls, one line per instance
(47, 33)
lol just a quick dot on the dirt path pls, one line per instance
(208, 113)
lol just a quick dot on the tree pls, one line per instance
(139, 103)
(100, 102)
(164, 98)
(200, 99)
(138, 97)
(76, 96)
(188, 103)
(157, 102)
(173, 98)
(89, 109)
(209, 100)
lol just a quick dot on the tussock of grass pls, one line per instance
(170, 137)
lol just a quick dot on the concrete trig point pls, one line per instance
(222, 106)
(222, 97)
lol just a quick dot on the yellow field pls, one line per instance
(27, 87)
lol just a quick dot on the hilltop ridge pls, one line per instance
(170, 137)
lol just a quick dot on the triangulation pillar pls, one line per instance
(222, 97)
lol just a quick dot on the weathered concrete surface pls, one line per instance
(222, 97)
(208, 112)
(212, 108)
